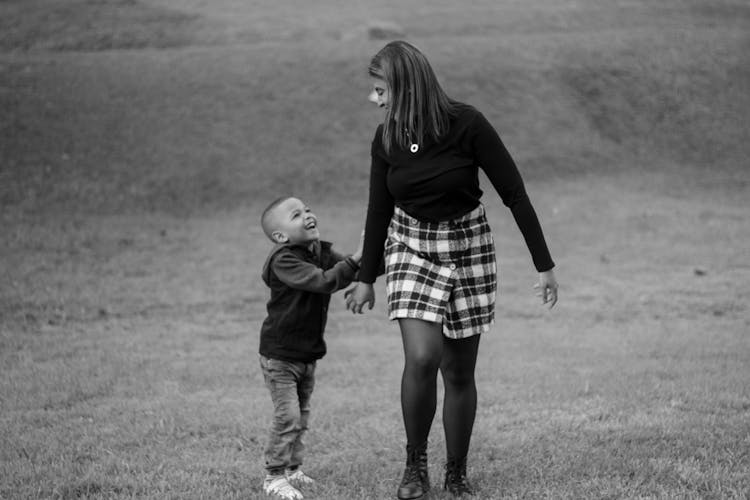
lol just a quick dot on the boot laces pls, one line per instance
(455, 479)
(411, 471)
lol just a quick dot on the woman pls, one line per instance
(425, 213)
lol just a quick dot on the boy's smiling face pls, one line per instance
(294, 223)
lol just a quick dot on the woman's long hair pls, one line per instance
(419, 108)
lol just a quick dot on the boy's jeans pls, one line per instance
(291, 385)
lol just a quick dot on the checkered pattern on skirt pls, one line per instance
(442, 272)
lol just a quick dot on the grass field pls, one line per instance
(140, 138)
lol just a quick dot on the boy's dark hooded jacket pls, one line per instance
(301, 282)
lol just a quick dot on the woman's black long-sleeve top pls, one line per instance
(441, 181)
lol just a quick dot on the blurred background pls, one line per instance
(185, 105)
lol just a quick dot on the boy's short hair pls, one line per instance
(265, 218)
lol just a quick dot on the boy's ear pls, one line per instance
(279, 237)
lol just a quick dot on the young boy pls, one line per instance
(302, 272)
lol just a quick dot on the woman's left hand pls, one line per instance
(547, 288)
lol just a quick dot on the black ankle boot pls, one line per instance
(416, 482)
(455, 477)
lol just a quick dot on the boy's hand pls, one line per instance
(357, 297)
(357, 255)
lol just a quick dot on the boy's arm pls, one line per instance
(355, 264)
(353, 260)
(303, 275)
(356, 257)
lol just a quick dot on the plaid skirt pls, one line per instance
(442, 272)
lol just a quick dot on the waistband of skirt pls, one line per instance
(472, 217)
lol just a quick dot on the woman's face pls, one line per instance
(380, 94)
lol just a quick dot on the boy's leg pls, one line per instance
(281, 379)
(305, 387)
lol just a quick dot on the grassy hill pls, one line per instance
(125, 105)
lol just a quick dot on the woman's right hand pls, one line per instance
(357, 297)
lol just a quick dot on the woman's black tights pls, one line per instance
(426, 351)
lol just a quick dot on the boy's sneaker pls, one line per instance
(279, 487)
(299, 478)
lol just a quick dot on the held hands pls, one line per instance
(547, 288)
(361, 293)
(357, 297)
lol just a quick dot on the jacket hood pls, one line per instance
(266, 274)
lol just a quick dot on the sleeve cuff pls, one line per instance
(352, 264)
